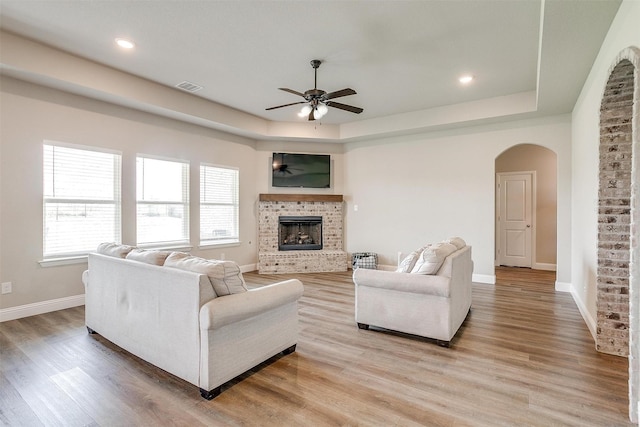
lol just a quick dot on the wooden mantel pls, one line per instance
(300, 198)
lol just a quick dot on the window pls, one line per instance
(81, 199)
(163, 201)
(219, 205)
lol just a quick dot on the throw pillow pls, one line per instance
(225, 276)
(114, 249)
(456, 241)
(148, 256)
(431, 259)
(407, 264)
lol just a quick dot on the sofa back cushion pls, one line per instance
(432, 257)
(458, 242)
(225, 276)
(114, 249)
(407, 264)
(148, 256)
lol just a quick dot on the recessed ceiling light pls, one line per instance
(126, 44)
(465, 79)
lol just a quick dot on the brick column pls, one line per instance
(614, 212)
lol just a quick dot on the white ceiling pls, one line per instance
(402, 57)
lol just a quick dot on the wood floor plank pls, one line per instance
(14, 410)
(105, 408)
(47, 401)
(523, 357)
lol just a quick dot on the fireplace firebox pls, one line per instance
(299, 233)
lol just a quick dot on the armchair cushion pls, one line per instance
(407, 264)
(432, 257)
(458, 242)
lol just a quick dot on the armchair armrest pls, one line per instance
(403, 282)
(229, 309)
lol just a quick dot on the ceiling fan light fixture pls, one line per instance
(320, 111)
(304, 112)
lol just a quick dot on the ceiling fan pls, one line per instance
(317, 100)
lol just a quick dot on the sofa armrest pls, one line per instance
(403, 282)
(229, 309)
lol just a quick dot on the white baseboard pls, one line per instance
(484, 278)
(42, 307)
(563, 287)
(249, 267)
(544, 266)
(590, 321)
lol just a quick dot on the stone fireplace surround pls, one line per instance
(330, 258)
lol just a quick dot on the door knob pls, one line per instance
(528, 226)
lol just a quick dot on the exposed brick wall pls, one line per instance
(614, 211)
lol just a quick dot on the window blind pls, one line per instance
(162, 188)
(81, 199)
(219, 204)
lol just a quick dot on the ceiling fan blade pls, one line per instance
(345, 107)
(295, 92)
(339, 93)
(285, 105)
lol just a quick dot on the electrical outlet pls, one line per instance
(6, 288)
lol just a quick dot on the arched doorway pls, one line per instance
(618, 211)
(534, 168)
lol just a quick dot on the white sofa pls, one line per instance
(429, 305)
(173, 318)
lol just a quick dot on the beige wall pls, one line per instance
(423, 188)
(32, 114)
(528, 157)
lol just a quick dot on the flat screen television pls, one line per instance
(301, 170)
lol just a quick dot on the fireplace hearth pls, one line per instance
(299, 233)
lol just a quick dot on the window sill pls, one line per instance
(82, 259)
(56, 262)
(179, 248)
(219, 244)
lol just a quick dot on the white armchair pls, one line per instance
(429, 305)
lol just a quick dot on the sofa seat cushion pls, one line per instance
(148, 256)
(114, 249)
(432, 257)
(225, 276)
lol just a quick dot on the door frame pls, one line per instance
(534, 193)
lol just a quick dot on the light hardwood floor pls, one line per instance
(523, 357)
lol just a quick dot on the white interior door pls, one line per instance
(515, 219)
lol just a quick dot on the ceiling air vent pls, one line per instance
(188, 86)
